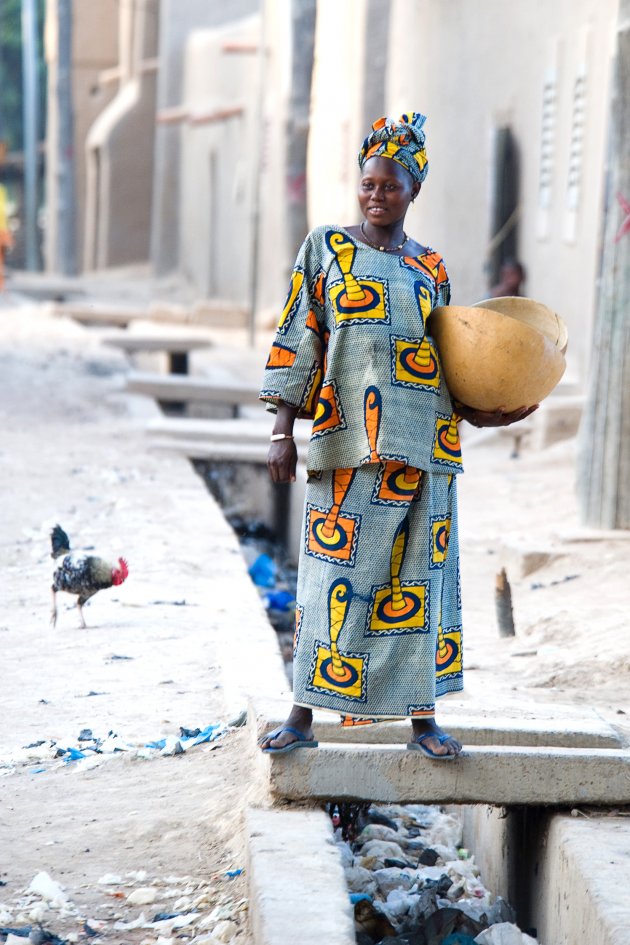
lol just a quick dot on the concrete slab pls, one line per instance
(220, 452)
(185, 388)
(92, 313)
(297, 887)
(480, 775)
(581, 881)
(174, 343)
(552, 731)
(567, 876)
(232, 431)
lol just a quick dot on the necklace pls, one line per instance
(383, 249)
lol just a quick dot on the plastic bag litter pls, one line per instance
(110, 879)
(50, 890)
(138, 923)
(263, 571)
(142, 896)
(504, 934)
(169, 745)
(26, 934)
(279, 600)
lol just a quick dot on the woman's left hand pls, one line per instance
(493, 418)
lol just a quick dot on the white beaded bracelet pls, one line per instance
(280, 436)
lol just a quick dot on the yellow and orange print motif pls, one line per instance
(330, 535)
(448, 654)
(332, 670)
(447, 449)
(310, 395)
(428, 263)
(354, 300)
(440, 531)
(280, 356)
(372, 414)
(397, 484)
(415, 364)
(328, 413)
(292, 303)
(318, 286)
(400, 606)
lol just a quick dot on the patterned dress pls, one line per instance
(378, 616)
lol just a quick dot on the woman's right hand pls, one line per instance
(282, 461)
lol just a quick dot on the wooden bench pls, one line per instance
(178, 347)
(176, 388)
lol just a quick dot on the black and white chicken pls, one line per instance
(81, 573)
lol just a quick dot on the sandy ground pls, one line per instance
(71, 451)
(569, 591)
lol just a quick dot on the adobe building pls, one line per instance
(539, 72)
(543, 71)
(119, 149)
(178, 20)
(94, 79)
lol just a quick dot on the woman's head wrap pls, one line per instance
(401, 140)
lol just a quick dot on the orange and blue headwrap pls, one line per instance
(401, 140)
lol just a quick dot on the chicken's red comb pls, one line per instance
(124, 569)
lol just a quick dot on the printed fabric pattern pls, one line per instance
(378, 618)
(352, 353)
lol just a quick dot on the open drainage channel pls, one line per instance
(238, 490)
(411, 881)
(409, 877)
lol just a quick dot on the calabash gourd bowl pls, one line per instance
(500, 353)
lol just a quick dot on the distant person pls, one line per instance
(511, 277)
(6, 240)
(378, 622)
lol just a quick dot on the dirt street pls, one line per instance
(166, 829)
(71, 453)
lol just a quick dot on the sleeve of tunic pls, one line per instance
(443, 285)
(294, 369)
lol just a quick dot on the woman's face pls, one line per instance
(385, 191)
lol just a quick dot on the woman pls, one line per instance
(378, 615)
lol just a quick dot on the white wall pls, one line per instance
(473, 66)
(336, 130)
(216, 162)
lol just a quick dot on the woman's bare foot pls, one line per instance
(300, 719)
(437, 740)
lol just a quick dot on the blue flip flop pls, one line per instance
(301, 741)
(417, 745)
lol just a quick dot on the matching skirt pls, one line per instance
(378, 618)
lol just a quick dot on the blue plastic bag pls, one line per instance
(279, 600)
(263, 571)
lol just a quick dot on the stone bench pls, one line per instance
(184, 389)
(251, 436)
(177, 347)
(90, 313)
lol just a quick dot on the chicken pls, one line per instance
(80, 573)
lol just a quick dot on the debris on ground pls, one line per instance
(183, 908)
(411, 882)
(87, 750)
